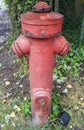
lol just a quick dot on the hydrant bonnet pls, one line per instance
(45, 24)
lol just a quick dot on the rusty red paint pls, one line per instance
(41, 65)
(35, 23)
(41, 7)
(41, 40)
(21, 46)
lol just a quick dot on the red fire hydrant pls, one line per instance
(41, 39)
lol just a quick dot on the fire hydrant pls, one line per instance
(41, 39)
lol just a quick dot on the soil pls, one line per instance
(7, 71)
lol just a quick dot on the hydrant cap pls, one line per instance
(41, 7)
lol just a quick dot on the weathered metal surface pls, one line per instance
(61, 45)
(28, 34)
(41, 64)
(21, 46)
(42, 25)
(41, 7)
(41, 40)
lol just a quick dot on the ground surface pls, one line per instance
(14, 89)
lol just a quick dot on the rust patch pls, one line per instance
(41, 35)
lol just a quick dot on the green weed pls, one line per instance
(69, 65)
(26, 107)
(23, 66)
(56, 106)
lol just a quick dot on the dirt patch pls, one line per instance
(7, 73)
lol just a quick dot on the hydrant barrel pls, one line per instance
(41, 66)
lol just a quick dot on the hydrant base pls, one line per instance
(41, 106)
(39, 119)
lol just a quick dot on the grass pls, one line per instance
(70, 63)
(15, 114)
